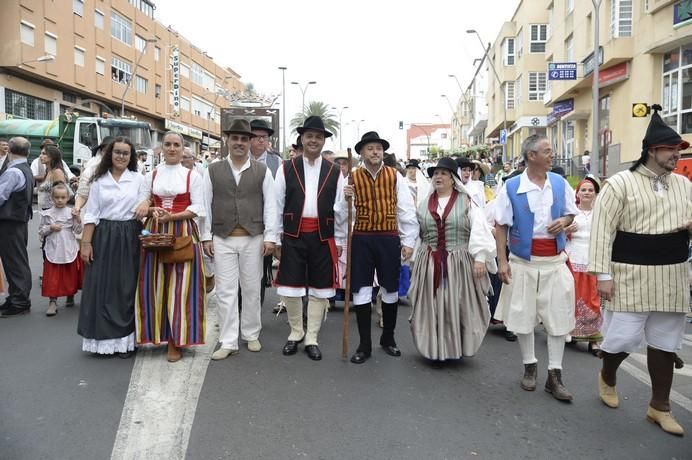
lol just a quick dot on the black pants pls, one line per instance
(15, 260)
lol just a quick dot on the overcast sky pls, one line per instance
(388, 60)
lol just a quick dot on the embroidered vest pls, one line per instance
(375, 200)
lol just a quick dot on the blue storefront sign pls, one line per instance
(562, 71)
(560, 108)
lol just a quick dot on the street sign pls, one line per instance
(503, 136)
(640, 109)
(562, 71)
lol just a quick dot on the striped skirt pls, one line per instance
(171, 301)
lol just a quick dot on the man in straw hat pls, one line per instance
(307, 187)
(532, 211)
(241, 227)
(384, 234)
(642, 271)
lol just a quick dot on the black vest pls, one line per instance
(17, 208)
(295, 197)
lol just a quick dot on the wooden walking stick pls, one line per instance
(347, 288)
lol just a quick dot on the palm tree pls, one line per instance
(320, 109)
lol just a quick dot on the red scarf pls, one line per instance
(440, 254)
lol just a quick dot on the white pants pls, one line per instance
(290, 291)
(230, 254)
(541, 290)
(364, 295)
(627, 332)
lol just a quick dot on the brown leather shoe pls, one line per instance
(665, 420)
(174, 354)
(554, 386)
(209, 283)
(528, 382)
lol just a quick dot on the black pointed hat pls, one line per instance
(659, 134)
(370, 136)
(314, 123)
(261, 125)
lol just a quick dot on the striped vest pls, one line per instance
(375, 200)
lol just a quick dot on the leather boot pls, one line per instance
(554, 386)
(660, 364)
(363, 317)
(294, 311)
(389, 314)
(316, 309)
(528, 382)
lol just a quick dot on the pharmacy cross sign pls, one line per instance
(562, 71)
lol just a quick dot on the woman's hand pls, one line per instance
(163, 215)
(142, 210)
(479, 270)
(87, 253)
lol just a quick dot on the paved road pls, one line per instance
(60, 403)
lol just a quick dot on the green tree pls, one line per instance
(320, 109)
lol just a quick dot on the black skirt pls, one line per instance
(107, 309)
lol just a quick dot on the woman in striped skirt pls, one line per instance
(171, 301)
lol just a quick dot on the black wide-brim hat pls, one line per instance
(370, 136)
(445, 163)
(261, 125)
(240, 126)
(464, 162)
(298, 145)
(413, 163)
(314, 123)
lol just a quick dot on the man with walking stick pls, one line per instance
(384, 234)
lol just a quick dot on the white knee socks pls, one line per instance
(294, 310)
(526, 345)
(556, 349)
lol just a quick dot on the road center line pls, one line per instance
(162, 400)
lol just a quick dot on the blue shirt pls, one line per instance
(11, 180)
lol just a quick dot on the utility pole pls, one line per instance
(283, 109)
(595, 128)
(134, 74)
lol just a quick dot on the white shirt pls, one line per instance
(476, 189)
(540, 201)
(60, 247)
(88, 171)
(171, 180)
(270, 212)
(3, 159)
(312, 179)
(39, 169)
(113, 200)
(406, 218)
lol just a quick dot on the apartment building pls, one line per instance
(645, 56)
(470, 116)
(517, 77)
(80, 55)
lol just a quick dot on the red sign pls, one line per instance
(684, 167)
(613, 74)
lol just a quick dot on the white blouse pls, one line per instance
(60, 247)
(577, 247)
(171, 180)
(113, 200)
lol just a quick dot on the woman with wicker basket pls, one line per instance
(110, 252)
(171, 300)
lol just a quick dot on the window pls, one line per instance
(184, 103)
(621, 18)
(140, 43)
(79, 56)
(78, 7)
(509, 94)
(508, 51)
(25, 106)
(157, 90)
(50, 44)
(100, 66)
(69, 97)
(539, 35)
(143, 6)
(201, 108)
(121, 28)
(677, 89)
(157, 53)
(517, 92)
(26, 33)
(197, 74)
(569, 49)
(98, 19)
(121, 70)
(141, 84)
(537, 85)
(184, 70)
(88, 134)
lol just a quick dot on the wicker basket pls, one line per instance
(157, 241)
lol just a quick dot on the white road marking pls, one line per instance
(641, 358)
(162, 399)
(643, 377)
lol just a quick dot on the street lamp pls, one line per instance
(283, 108)
(44, 58)
(595, 129)
(341, 112)
(497, 77)
(219, 92)
(357, 122)
(134, 74)
(427, 148)
(455, 122)
(304, 89)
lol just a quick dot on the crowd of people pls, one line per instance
(520, 248)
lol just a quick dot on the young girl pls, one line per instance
(62, 268)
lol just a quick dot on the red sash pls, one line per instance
(544, 247)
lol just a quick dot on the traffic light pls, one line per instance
(401, 125)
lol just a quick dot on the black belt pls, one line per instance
(642, 249)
